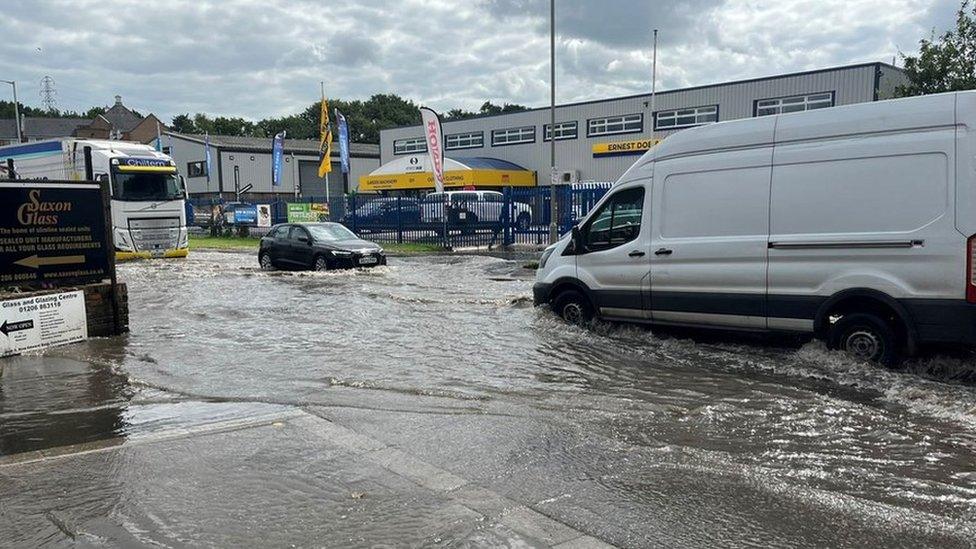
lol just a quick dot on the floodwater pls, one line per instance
(639, 439)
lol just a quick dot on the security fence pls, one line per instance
(512, 216)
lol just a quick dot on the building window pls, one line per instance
(470, 140)
(796, 103)
(513, 136)
(685, 118)
(629, 123)
(196, 169)
(564, 130)
(407, 146)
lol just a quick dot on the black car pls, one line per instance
(318, 246)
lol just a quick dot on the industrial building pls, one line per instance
(247, 161)
(598, 140)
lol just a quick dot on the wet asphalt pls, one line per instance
(427, 403)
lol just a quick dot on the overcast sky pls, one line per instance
(257, 58)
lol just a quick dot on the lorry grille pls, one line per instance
(156, 234)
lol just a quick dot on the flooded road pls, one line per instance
(634, 438)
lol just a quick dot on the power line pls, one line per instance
(48, 93)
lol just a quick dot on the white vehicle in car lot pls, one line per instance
(855, 224)
(470, 207)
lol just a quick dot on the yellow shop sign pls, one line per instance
(621, 148)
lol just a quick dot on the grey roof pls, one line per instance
(42, 128)
(263, 144)
(122, 118)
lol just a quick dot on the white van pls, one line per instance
(854, 224)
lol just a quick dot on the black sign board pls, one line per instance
(54, 233)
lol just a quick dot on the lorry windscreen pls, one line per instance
(150, 186)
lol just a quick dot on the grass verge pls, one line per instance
(206, 242)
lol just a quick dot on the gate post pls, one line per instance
(507, 238)
(399, 220)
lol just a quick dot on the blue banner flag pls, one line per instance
(277, 155)
(343, 141)
(207, 146)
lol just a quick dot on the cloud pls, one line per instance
(258, 58)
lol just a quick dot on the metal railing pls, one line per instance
(516, 216)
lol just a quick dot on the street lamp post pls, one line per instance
(553, 209)
(16, 109)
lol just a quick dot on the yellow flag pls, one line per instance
(325, 140)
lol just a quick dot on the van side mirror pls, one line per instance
(577, 239)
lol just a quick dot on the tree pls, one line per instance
(182, 123)
(946, 63)
(487, 108)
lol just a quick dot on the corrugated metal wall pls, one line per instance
(855, 84)
(254, 168)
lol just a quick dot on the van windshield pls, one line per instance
(146, 186)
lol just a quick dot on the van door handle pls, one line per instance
(663, 251)
(636, 253)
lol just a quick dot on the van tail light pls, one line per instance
(971, 269)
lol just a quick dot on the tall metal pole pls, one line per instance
(653, 84)
(553, 209)
(20, 138)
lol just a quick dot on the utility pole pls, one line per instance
(20, 138)
(653, 84)
(553, 209)
(48, 93)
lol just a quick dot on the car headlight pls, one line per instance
(341, 253)
(546, 254)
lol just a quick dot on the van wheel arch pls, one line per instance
(568, 284)
(866, 300)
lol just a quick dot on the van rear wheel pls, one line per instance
(866, 337)
(573, 307)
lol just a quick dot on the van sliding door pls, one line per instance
(709, 238)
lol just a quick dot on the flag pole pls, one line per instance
(553, 208)
(329, 160)
(653, 85)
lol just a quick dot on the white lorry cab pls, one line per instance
(148, 195)
(854, 224)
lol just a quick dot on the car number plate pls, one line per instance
(367, 260)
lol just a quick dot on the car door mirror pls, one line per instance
(304, 239)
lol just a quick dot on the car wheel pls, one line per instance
(523, 221)
(321, 264)
(266, 263)
(865, 337)
(573, 307)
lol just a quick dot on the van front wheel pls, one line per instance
(573, 307)
(865, 337)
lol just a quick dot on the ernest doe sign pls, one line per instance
(53, 233)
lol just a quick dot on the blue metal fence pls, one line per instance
(514, 216)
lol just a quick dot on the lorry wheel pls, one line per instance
(523, 221)
(573, 307)
(266, 263)
(865, 337)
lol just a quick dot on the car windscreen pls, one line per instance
(331, 232)
(147, 186)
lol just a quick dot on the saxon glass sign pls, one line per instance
(52, 233)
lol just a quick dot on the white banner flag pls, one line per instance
(435, 145)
